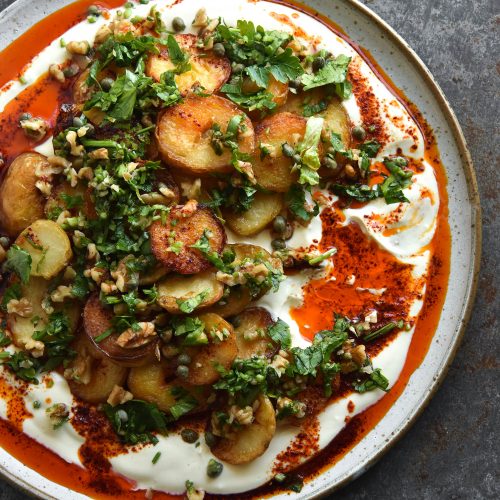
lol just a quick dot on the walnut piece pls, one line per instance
(130, 339)
(118, 396)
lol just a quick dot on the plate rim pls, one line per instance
(476, 249)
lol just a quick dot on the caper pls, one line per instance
(71, 70)
(178, 24)
(25, 116)
(238, 68)
(330, 163)
(210, 439)
(94, 10)
(189, 436)
(182, 371)
(318, 63)
(219, 49)
(359, 133)
(214, 468)
(288, 150)
(77, 122)
(4, 241)
(297, 158)
(295, 84)
(278, 244)
(107, 83)
(279, 224)
(184, 359)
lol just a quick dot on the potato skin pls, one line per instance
(207, 69)
(96, 320)
(21, 203)
(184, 135)
(273, 172)
(253, 322)
(239, 297)
(187, 230)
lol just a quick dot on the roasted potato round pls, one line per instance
(48, 246)
(264, 208)
(96, 321)
(185, 132)
(220, 351)
(155, 383)
(251, 331)
(91, 378)
(74, 199)
(250, 441)
(176, 289)
(274, 171)
(171, 242)
(21, 203)
(233, 303)
(208, 71)
(276, 88)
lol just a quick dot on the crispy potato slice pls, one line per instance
(202, 369)
(74, 199)
(96, 321)
(250, 441)
(237, 299)
(152, 276)
(175, 289)
(265, 207)
(208, 70)
(49, 247)
(21, 203)
(154, 383)
(251, 332)
(336, 118)
(183, 229)
(184, 134)
(274, 171)
(276, 88)
(94, 378)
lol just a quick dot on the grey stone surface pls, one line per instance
(452, 450)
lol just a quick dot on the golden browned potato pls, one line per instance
(221, 350)
(276, 88)
(237, 298)
(79, 201)
(274, 171)
(249, 441)
(185, 132)
(21, 203)
(251, 330)
(48, 246)
(97, 321)
(336, 118)
(175, 289)
(91, 378)
(171, 242)
(208, 70)
(264, 208)
(155, 383)
(151, 276)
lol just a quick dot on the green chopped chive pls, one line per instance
(383, 330)
(156, 457)
(103, 335)
(322, 257)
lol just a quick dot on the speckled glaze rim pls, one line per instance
(473, 275)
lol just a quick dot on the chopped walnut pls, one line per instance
(58, 414)
(92, 252)
(44, 186)
(234, 279)
(201, 18)
(34, 128)
(189, 209)
(108, 287)
(56, 72)
(130, 339)
(95, 273)
(243, 416)
(86, 173)
(61, 293)
(122, 275)
(281, 361)
(118, 396)
(35, 347)
(78, 48)
(246, 169)
(102, 34)
(21, 307)
(168, 193)
(63, 217)
(99, 154)
(354, 357)
(76, 150)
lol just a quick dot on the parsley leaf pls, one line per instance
(334, 72)
(19, 261)
(177, 56)
(189, 305)
(280, 333)
(297, 204)
(375, 380)
(10, 293)
(184, 402)
(191, 329)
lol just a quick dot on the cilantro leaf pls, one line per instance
(19, 261)
(375, 380)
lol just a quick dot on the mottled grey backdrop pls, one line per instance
(452, 450)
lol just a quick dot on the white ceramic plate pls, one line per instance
(409, 74)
